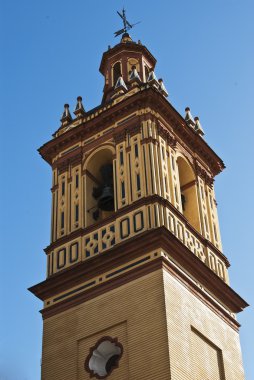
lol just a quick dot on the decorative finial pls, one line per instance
(126, 25)
(162, 88)
(66, 117)
(189, 118)
(134, 76)
(198, 127)
(152, 79)
(120, 84)
(79, 109)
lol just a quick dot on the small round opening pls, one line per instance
(104, 357)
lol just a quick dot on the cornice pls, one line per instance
(204, 174)
(147, 98)
(189, 137)
(120, 136)
(72, 158)
(155, 265)
(166, 134)
(88, 128)
(185, 263)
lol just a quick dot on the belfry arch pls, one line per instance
(116, 72)
(188, 190)
(99, 185)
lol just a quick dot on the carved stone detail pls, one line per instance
(134, 130)
(164, 133)
(204, 174)
(120, 136)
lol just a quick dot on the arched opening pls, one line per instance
(188, 190)
(146, 73)
(116, 72)
(130, 65)
(99, 186)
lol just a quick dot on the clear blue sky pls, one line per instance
(50, 54)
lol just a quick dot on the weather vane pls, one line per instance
(126, 24)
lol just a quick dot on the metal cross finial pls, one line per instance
(126, 24)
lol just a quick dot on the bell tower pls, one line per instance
(137, 284)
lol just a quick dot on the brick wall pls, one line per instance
(193, 343)
(201, 345)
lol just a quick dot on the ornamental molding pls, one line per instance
(166, 134)
(148, 140)
(120, 136)
(63, 163)
(130, 249)
(98, 121)
(134, 130)
(204, 174)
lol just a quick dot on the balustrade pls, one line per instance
(132, 223)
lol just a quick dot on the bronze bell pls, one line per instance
(106, 200)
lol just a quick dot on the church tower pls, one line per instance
(137, 285)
